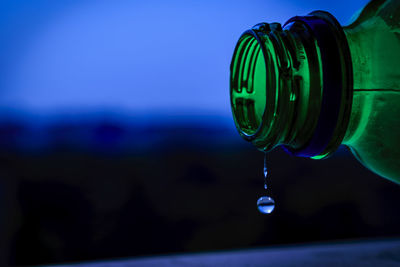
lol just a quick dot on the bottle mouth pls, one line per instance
(292, 86)
(248, 84)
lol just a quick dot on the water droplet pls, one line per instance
(265, 172)
(265, 205)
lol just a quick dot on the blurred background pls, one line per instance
(116, 137)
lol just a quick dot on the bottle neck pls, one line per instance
(293, 86)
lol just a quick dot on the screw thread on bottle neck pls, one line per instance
(286, 89)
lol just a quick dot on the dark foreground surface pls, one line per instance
(73, 191)
(369, 253)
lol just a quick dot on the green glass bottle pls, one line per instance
(313, 85)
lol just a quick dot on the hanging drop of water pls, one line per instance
(265, 205)
(265, 172)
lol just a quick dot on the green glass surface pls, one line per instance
(374, 130)
(248, 92)
(276, 93)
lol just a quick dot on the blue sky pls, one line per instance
(130, 56)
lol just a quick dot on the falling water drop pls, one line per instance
(265, 205)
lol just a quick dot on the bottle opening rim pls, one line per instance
(249, 80)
